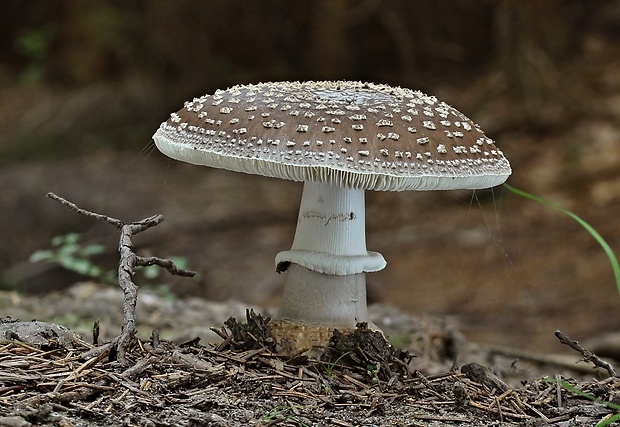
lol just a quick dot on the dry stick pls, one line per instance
(128, 261)
(558, 390)
(587, 355)
(546, 359)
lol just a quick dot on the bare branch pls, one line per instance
(115, 222)
(128, 261)
(587, 355)
(164, 263)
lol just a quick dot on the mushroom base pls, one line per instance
(293, 337)
(314, 304)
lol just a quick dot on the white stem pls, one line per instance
(331, 233)
(331, 220)
(312, 298)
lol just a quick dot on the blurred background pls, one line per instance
(84, 85)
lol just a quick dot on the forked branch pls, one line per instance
(588, 356)
(128, 261)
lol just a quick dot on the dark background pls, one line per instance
(84, 85)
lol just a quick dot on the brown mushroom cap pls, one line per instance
(352, 134)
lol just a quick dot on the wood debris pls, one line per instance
(240, 384)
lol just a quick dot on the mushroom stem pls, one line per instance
(324, 299)
(325, 287)
(314, 305)
(331, 233)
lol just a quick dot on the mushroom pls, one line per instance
(339, 138)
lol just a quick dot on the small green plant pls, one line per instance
(373, 371)
(72, 255)
(35, 45)
(326, 389)
(284, 412)
(610, 253)
(329, 367)
(571, 388)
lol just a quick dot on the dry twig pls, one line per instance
(587, 355)
(128, 261)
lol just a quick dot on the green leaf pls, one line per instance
(568, 386)
(93, 250)
(81, 266)
(66, 239)
(67, 250)
(43, 255)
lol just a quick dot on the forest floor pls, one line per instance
(52, 377)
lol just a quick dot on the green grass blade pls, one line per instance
(610, 253)
(571, 388)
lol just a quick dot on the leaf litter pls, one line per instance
(242, 381)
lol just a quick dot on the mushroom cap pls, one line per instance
(352, 134)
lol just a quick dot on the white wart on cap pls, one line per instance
(351, 134)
